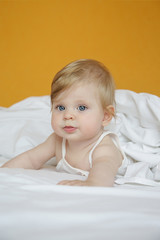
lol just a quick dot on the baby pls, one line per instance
(82, 97)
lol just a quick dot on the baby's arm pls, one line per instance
(36, 157)
(106, 161)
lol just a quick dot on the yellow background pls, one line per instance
(37, 38)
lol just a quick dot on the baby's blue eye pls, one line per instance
(82, 108)
(61, 108)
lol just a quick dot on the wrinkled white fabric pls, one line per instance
(138, 127)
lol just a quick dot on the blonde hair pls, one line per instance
(85, 70)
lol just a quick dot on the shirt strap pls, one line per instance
(63, 148)
(96, 144)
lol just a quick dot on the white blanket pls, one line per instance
(138, 127)
(27, 123)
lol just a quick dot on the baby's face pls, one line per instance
(77, 113)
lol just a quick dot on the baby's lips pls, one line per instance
(69, 129)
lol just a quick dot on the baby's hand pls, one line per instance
(75, 183)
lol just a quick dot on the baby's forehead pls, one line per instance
(79, 91)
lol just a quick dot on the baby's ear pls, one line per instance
(108, 114)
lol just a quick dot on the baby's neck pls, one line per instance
(80, 145)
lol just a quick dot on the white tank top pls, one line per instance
(64, 166)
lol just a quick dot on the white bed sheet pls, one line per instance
(33, 207)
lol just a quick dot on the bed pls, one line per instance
(33, 207)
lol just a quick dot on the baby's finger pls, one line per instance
(71, 182)
(63, 182)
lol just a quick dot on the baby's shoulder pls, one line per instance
(105, 147)
(106, 141)
(53, 140)
(53, 144)
(57, 138)
(57, 141)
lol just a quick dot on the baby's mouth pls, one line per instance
(69, 129)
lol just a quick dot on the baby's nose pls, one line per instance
(69, 115)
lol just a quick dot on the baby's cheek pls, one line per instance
(54, 123)
(92, 128)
